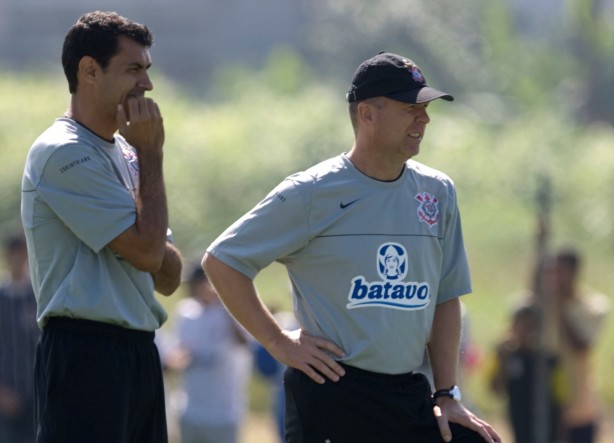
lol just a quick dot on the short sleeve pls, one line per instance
(273, 229)
(455, 277)
(83, 190)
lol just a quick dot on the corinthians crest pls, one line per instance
(428, 212)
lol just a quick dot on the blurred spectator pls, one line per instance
(273, 372)
(211, 353)
(566, 318)
(18, 336)
(512, 375)
(579, 314)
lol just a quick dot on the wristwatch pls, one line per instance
(454, 393)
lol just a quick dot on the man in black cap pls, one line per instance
(373, 246)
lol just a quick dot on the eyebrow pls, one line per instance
(139, 65)
(408, 106)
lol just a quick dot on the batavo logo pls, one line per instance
(392, 291)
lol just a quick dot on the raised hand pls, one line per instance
(141, 124)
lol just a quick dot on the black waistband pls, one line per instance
(355, 372)
(98, 328)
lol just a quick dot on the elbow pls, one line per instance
(148, 263)
(148, 260)
(168, 288)
(168, 278)
(208, 264)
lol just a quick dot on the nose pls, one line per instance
(423, 115)
(145, 82)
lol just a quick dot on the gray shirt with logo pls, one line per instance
(368, 260)
(78, 194)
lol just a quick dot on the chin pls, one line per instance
(413, 152)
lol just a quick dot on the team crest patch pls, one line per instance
(414, 71)
(428, 212)
(392, 291)
(132, 160)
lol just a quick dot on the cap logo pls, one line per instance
(414, 71)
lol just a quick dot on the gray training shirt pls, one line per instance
(368, 260)
(77, 195)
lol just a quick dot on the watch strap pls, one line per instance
(449, 392)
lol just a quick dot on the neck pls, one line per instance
(373, 165)
(92, 117)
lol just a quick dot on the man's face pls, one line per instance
(401, 127)
(125, 76)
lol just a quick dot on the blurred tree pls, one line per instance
(507, 55)
(592, 38)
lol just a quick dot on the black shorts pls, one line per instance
(364, 407)
(97, 382)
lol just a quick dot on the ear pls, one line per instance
(366, 113)
(88, 69)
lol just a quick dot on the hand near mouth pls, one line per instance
(145, 129)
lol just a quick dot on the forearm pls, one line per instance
(168, 278)
(444, 345)
(144, 243)
(151, 205)
(239, 295)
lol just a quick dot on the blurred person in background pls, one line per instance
(511, 374)
(272, 371)
(569, 317)
(211, 353)
(18, 337)
(95, 215)
(578, 314)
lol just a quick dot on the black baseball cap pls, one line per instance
(392, 76)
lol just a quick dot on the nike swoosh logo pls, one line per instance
(345, 205)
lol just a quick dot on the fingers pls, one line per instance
(328, 346)
(314, 356)
(488, 433)
(325, 366)
(451, 411)
(442, 422)
(142, 108)
(322, 361)
(140, 122)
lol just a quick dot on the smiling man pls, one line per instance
(373, 246)
(96, 221)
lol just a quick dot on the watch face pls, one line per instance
(456, 393)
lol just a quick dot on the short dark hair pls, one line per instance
(96, 34)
